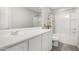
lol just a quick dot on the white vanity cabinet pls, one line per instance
(40, 42)
(35, 44)
(19, 47)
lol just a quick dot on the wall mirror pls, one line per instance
(19, 17)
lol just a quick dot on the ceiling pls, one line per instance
(61, 8)
(38, 9)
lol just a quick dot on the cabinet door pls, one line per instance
(35, 44)
(46, 41)
(19, 47)
(50, 40)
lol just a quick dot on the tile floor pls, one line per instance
(64, 47)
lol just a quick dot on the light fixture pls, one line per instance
(67, 16)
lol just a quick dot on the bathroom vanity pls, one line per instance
(26, 39)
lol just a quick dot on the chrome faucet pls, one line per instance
(14, 32)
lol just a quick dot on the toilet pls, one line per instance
(63, 38)
(55, 40)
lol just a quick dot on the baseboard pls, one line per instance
(78, 46)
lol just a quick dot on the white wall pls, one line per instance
(21, 17)
(3, 18)
(78, 26)
(62, 23)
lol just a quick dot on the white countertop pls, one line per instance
(7, 39)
